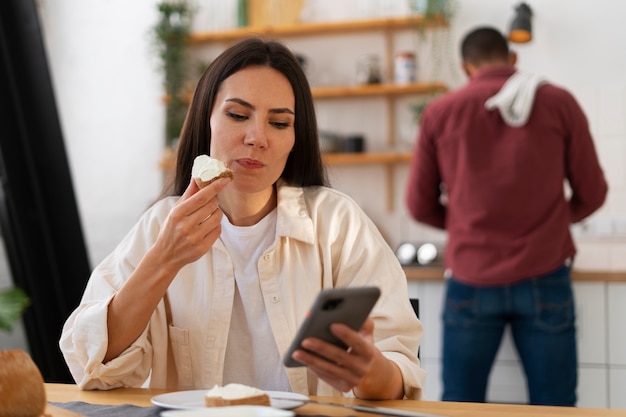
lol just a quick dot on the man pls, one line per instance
(505, 164)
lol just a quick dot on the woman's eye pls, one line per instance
(236, 116)
(281, 125)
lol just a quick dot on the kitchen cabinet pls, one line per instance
(616, 311)
(388, 155)
(617, 382)
(616, 294)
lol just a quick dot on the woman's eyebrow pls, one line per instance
(250, 106)
(282, 110)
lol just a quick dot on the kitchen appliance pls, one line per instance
(420, 254)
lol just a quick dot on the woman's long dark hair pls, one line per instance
(304, 165)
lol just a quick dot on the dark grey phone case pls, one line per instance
(350, 306)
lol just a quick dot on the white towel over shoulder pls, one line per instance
(515, 98)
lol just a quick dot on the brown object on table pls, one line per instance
(22, 389)
(263, 399)
(235, 394)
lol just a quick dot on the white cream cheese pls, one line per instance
(234, 391)
(206, 168)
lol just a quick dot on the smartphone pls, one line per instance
(350, 306)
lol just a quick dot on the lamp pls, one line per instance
(521, 28)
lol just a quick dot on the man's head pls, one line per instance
(485, 47)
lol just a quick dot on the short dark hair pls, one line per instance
(484, 44)
(304, 165)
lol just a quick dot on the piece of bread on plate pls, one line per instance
(235, 394)
(206, 170)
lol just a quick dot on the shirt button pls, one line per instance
(267, 257)
(275, 299)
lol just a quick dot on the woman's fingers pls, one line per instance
(341, 368)
(193, 224)
(201, 201)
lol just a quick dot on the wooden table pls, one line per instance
(141, 397)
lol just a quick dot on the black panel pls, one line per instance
(39, 217)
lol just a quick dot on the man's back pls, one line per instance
(506, 206)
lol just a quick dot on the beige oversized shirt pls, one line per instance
(323, 240)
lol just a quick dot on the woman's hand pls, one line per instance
(362, 367)
(192, 226)
(188, 232)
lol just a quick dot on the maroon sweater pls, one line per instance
(498, 190)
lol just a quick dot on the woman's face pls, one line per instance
(252, 126)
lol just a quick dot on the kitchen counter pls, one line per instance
(435, 273)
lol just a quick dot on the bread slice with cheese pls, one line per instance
(206, 170)
(235, 394)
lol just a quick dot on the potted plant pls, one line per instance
(171, 34)
(432, 11)
(440, 51)
(13, 302)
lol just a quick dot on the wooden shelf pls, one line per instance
(319, 28)
(387, 159)
(378, 90)
(366, 158)
(370, 90)
(168, 161)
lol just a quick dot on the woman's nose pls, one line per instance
(256, 137)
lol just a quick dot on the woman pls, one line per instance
(211, 285)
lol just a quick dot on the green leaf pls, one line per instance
(13, 302)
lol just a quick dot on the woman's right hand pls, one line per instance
(192, 226)
(188, 232)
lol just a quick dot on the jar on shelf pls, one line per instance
(405, 67)
(368, 70)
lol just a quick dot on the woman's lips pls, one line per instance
(250, 163)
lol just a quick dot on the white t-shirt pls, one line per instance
(252, 357)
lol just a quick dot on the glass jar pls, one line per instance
(405, 67)
(368, 70)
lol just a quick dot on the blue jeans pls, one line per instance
(541, 314)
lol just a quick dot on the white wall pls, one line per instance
(108, 91)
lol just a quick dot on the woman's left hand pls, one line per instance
(361, 367)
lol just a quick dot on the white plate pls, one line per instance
(232, 411)
(189, 400)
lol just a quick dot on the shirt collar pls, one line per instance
(494, 72)
(294, 220)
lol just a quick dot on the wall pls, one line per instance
(104, 69)
(108, 92)
(564, 54)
